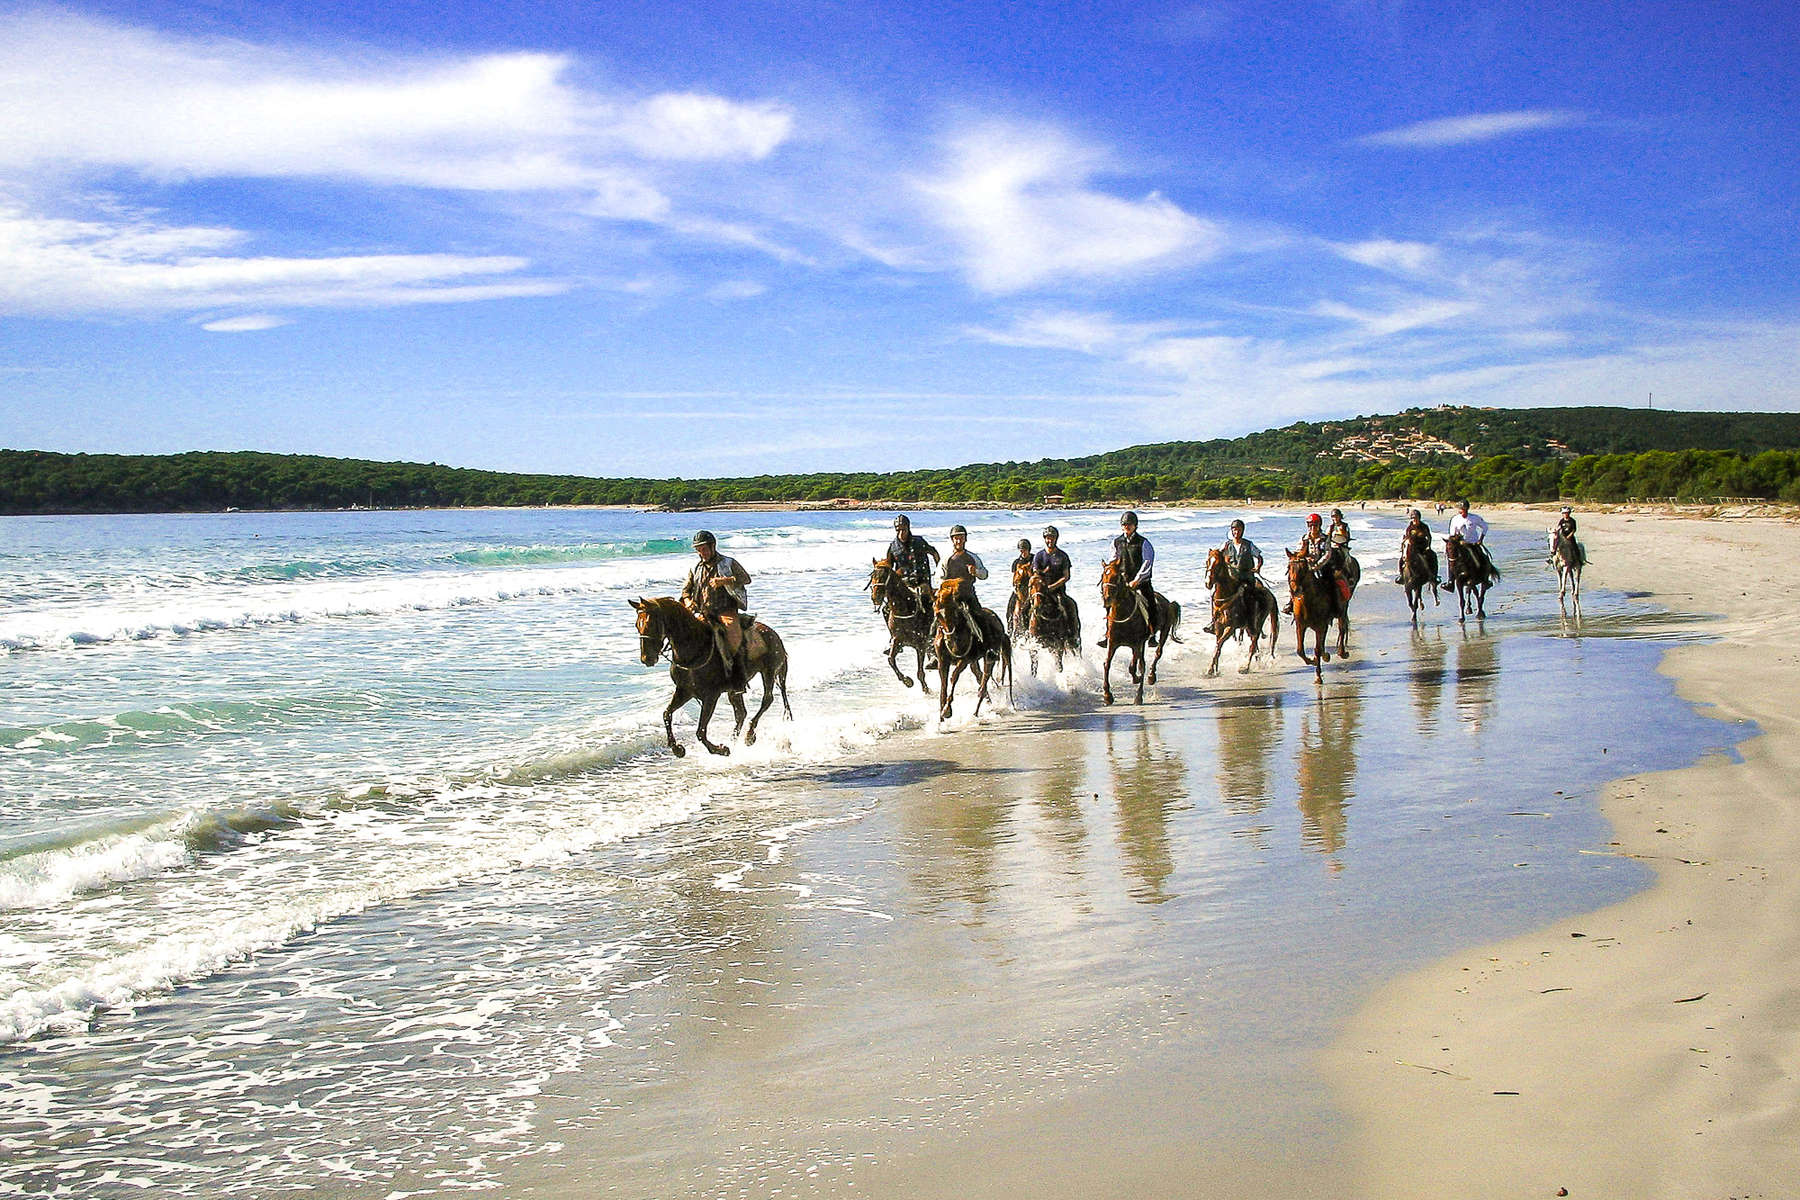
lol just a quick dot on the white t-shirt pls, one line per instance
(1472, 528)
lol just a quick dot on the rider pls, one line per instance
(1012, 602)
(911, 557)
(1243, 561)
(1416, 539)
(964, 567)
(1564, 528)
(1339, 532)
(1325, 558)
(1053, 566)
(1472, 530)
(1136, 559)
(717, 591)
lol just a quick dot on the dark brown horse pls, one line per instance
(664, 624)
(1472, 573)
(1315, 608)
(1052, 621)
(1127, 625)
(1239, 608)
(1415, 576)
(1018, 605)
(908, 617)
(962, 643)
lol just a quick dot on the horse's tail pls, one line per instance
(1007, 643)
(1174, 623)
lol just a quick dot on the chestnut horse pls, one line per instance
(1315, 608)
(1052, 621)
(960, 643)
(908, 617)
(1415, 575)
(1126, 625)
(1569, 558)
(1239, 608)
(1018, 605)
(664, 624)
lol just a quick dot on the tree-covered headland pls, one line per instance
(1584, 454)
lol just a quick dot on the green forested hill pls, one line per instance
(1492, 454)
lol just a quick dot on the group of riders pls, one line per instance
(717, 587)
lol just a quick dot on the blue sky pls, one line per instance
(721, 239)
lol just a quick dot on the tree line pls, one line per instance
(39, 482)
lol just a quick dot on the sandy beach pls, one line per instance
(1651, 1049)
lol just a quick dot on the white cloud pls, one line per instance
(86, 94)
(1476, 127)
(1019, 205)
(736, 289)
(56, 266)
(253, 323)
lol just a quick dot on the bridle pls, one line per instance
(652, 646)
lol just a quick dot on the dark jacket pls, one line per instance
(911, 559)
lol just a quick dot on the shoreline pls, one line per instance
(1646, 1049)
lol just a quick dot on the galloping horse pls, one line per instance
(908, 618)
(1018, 605)
(1238, 608)
(1127, 625)
(960, 643)
(1569, 558)
(1469, 578)
(1415, 575)
(1050, 624)
(1315, 608)
(698, 671)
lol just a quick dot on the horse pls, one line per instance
(960, 643)
(1128, 625)
(908, 618)
(1238, 608)
(1569, 558)
(1415, 575)
(699, 672)
(1052, 621)
(1315, 608)
(1018, 605)
(1468, 577)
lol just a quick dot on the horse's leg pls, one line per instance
(1138, 669)
(707, 704)
(1219, 648)
(1112, 648)
(962, 665)
(768, 679)
(893, 657)
(1344, 636)
(1160, 643)
(924, 682)
(983, 672)
(682, 696)
(737, 712)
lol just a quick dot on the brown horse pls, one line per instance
(908, 617)
(1472, 573)
(699, 672)
(1415, 576)
(1127, 625)
(1018, 605)
(1315, 608)
(1052, 621)
(960, 643)
(1239, 608)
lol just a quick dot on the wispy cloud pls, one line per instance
(1022, 209)
(251, 323)
(1476, 127)
(87, 95)
(61, 267)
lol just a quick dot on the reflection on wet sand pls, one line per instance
(1477, 668)
(1250, 727)
(1427, 676)
(1325, 769)
(1150, 783)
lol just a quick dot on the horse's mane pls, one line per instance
(947, 589)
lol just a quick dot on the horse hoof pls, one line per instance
(750, 738)
(678, 750)
(721, 751)
(905, 681)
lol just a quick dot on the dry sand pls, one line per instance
(1651, 1049)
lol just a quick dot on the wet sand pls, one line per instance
(1651, 1049)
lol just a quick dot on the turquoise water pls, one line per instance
(323, 835)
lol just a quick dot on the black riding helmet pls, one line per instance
(705, 538)
(1050, 531)
(956, 529)
(1130, 518)
(1025, 545)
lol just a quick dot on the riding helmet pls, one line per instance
(1314, 519)
(1130, 518)
(902, 522)
(1025, 544)
(956, 529)
(705, 538)
(1050, 531)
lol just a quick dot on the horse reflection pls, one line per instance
(1477, 674)
(1427, 677)
(1326, 768)
(1249, 733)
(1150, 783)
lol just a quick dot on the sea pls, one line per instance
(341, 852)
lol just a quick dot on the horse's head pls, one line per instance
(879, 575)
(1039, 585)
(1215, 567)
(1022, 576)
(651, 638)
(944, 605)
(1296, 570)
